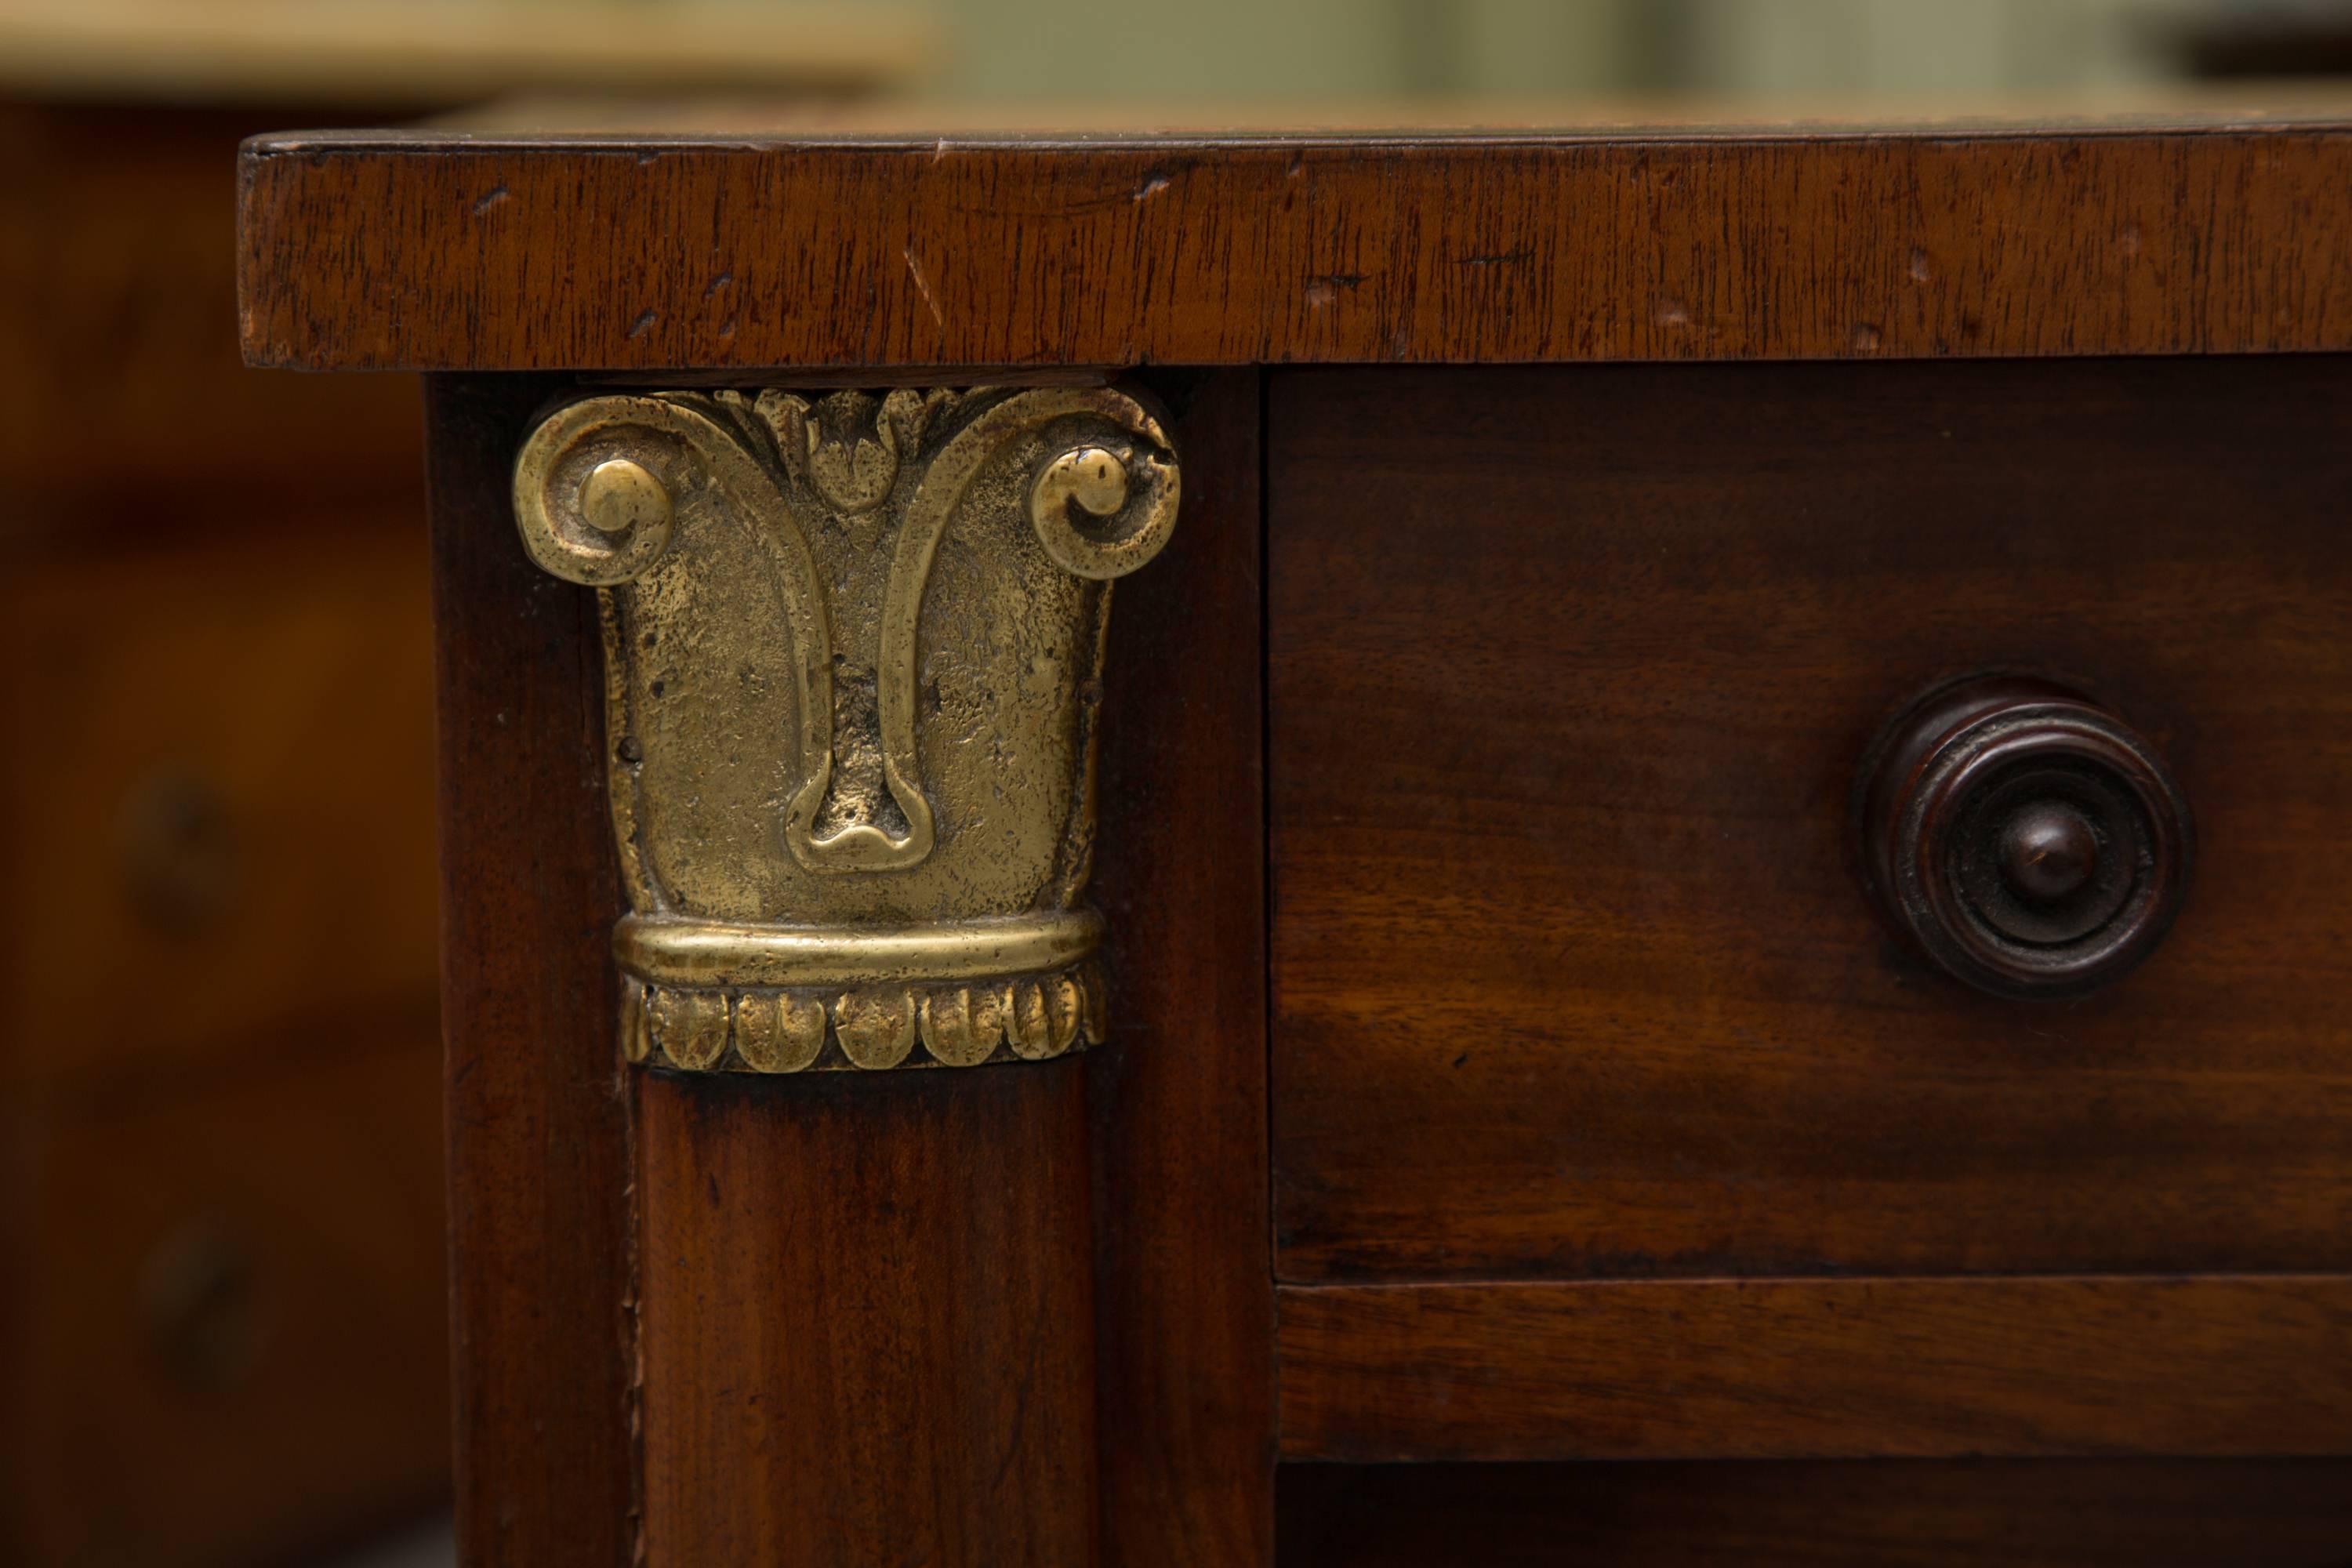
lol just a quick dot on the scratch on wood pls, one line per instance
(915, 270)
(646, 319)
(498, 195)
(1322, 291)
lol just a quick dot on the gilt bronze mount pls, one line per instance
(852, 649)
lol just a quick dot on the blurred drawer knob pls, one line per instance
(2022, 837)
(197, 1291)
(180, 850)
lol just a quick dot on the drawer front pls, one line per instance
(125, 400)
(223, 836)
(1571, 672)
(232, 1305)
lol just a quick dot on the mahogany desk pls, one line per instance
(1719, 811)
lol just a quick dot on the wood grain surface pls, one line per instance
(540, 1315)
(868, 1317)
(445, 250)
(1570, 672)
(223, 1304)
(2222, 1366)
(1184, 1298)
(2212, 1513)
(125, 414)
(232, 1306)
(234, 801)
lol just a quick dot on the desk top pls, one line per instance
(873, 245)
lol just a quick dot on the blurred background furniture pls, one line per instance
(224, 1208)
(219, 1104)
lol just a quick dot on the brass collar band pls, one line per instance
(667, 951)
(723, 996)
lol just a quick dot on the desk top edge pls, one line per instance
(847, 132)
(432, 249)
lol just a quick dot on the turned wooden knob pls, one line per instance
(2022, 837)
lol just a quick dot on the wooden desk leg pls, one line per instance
(1184, 1227)
(844, 718)
(536, 1112)
(868, 1317)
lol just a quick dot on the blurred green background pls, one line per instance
(1308, 51)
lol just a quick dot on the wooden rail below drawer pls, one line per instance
(2018, 1367)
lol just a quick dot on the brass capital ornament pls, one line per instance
(853, 650)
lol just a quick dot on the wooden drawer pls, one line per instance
(124, 411)
(1570, 672)
(227, 817)
(227, 1310)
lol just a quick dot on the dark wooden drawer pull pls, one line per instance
(2022, 837)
